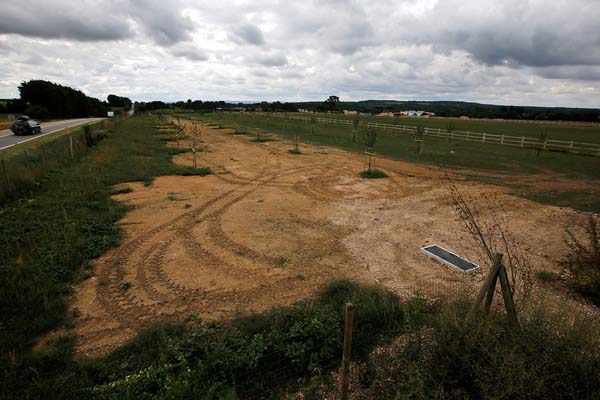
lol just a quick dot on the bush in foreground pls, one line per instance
(452, 357)
(583, 261)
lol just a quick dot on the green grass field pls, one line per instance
(486, 162)
(555, 131)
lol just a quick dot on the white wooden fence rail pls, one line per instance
(468, 136)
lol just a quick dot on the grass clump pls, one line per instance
(124, 190)
(262, 139)
(190, 171)
(373, 174)
(546, 276)
(583, 260)
(294, 151)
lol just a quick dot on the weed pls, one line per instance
(173, 152)
(171, 196)
(189, 171)
(583, 260)
(125, 285)
(294, 151)
(282, 262)
(374, 174)
(300, 277)
(121, 191)
(187, 206)
(546, 276)
(262, 139)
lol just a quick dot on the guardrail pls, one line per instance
(468, 136)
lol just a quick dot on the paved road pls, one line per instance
(8, 139)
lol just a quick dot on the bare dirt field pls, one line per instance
(268, 228)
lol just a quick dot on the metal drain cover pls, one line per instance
(449, 258)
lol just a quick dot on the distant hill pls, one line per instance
(460, 108)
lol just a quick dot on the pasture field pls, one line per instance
(169, 279)
(562, 179)
(269, 227)
(555, 130)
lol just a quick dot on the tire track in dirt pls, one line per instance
(162, 298)
(222, 240)
(118, 302)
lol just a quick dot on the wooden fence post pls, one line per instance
(348, 325)
(7, 187)
(71, 146)
(194, 144)
(509, 302)
(498, 272)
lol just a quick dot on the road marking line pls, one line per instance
(44, 134)
(45, 125)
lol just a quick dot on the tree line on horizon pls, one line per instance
(44, 99)
(440, 108)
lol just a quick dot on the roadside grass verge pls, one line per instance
(63, 218)
(27, 164)
(33, 145)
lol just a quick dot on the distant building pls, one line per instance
(413, 113)
(348, 112)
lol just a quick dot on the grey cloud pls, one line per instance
(269, 58)
(584, 73)
(189, 52)
(347, 37)
(110, 20)
(248, 33)
(64, 20)
(162, 21)
(513, 33)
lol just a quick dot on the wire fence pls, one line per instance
(542, 144)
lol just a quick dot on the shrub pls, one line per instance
(373, 174)
(546, 276)
(257, 354)
(459, 358)
(583, 261)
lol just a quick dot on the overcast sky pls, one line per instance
(525, 52)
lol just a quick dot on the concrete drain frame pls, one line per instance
(449, 258)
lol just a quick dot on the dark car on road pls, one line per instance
(25, 126)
